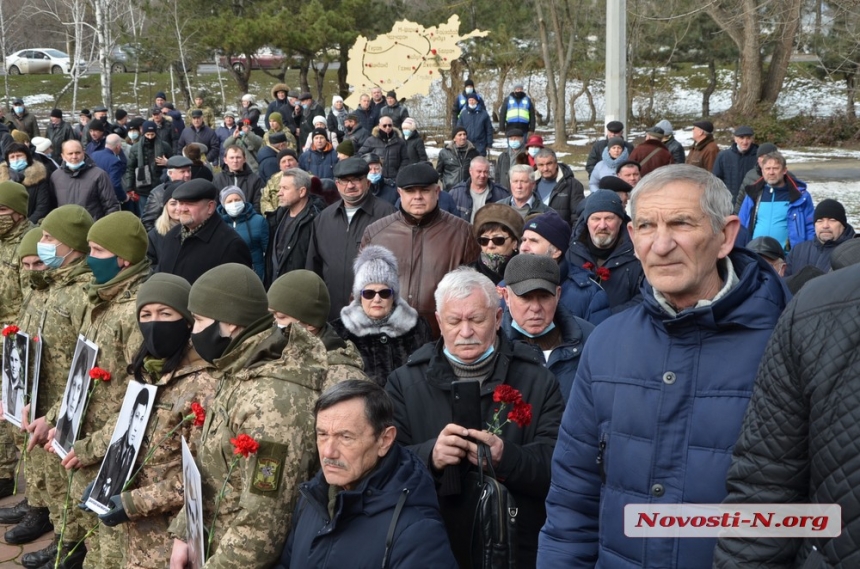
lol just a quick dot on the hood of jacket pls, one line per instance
(754, 303)
(402, 319)
(280, 87)
(246, 214)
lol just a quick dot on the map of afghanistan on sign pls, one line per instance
(407, 59)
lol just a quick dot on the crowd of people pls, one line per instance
(324, 301)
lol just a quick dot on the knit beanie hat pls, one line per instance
(303, 295)
(14, 196)
(27, 246)
(168, 289)
(287, 152)
(615, 141)
(319, 132)
(346, 147)
(603, 200)
(21, 137)
(69, 224)
(826, 208)
(765, 148)
(551, 227)
(318, 119)
(375, 265)
(229, 293)
(229, 191)
(121, 233)
(276, 116)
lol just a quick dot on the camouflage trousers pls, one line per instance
(105, 546)
(8, 449)
(47, 482)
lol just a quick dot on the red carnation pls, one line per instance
(10, 331)
(521, 414)
(199, 414)
(603, 274)
(506, 394)
(588, 266)
(100, 374)
(245, 445)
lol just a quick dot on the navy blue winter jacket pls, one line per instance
(479, 128)
(653, 417)
(355, 535)
(625, 271)
(253, 229)
(463, 198)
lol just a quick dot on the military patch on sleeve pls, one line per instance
(268, 467)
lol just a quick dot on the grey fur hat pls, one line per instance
(375, 265)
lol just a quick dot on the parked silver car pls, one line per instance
(38, 60)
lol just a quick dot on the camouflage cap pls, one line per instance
(229, 293)
(69, 224)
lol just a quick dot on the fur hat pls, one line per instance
(375, 265)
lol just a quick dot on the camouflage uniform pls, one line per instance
(59, 310)
(10, 304)
(344, 359)
(272, 401)
(157, 491)
(269, 195)
(111, 323)
(208, 115)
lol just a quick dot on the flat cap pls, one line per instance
(196, 190)
(656, 130)
(525, 273)
(277, 138)
(372, 158)
(615, 126)
(353, 166)
(18, 101)
(135, 123)
(767, 247)
(514, 132)
(196, 113)
(766, 148)
(707, 126)
(420, 174)
(179, 161)
(744, 131)
(305, 96)
(100, 109)
(351, 117)
(614, 183)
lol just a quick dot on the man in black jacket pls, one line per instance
(290, 232)
(337, 231)
(236, 172)
(200, 132)
(471, 348)
(557, 187)
(614, 129)
(202, 240)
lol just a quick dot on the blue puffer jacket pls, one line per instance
(655, 411)
(463, 198)
(801, 226)
(253, 229)
(563, 360)
(582, 296)
(625, 271)
(355, 536)
(320, 163)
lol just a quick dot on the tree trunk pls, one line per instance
(500, 93)
(551, 91)
(709, 90)
(749, 93)
(342, 85)
(319, 75)
(851, 92)
(592, 110)
(102, 31)
(304, 65)
(782, 52)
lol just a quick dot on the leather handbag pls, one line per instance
(494, 529)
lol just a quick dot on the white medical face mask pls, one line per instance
(233, 209)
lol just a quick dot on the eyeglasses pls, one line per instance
(384, 294)
(386, 125)
(497, 241)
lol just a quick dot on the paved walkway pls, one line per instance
(10, 554)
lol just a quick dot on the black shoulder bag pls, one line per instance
(494, 529)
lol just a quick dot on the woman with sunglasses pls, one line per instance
(498, 228)
(384, 328)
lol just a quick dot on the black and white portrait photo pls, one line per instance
(193, 508)
(118, 463)
(75, 396)
(15, 352)
(34, 377)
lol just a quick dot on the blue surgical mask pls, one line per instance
(484, 356)
(241, 133)
(18, 110)
(74, 167)
(304, 105)
(18, 165)
(103, 269)
(533, 151)
(515, 144)
(470, 90)
(134, 135)
(519, 329)
(374, 177)
(406, 133)
(48, 254)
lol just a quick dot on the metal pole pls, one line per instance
(616, 61)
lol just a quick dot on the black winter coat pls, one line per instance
(334, 244)
(355, 535)
(385, 346)
(250, 184)
(214, 244)
(40, 195)
(144, 153)
(731, 166)
(421, 393)
(453, 164)
(415, 151)
(297, 240)
(799, 439)
(566, 195)
(390, 148)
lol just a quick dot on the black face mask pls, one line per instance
(164, 339)
(209, 343)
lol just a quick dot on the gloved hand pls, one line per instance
(133, 196)
(116, 515)
(86, 496)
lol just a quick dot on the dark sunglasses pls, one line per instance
(384, 294)
(497, 241)
(386, 125)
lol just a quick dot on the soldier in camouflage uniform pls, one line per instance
(268, 385)
(301, 297)
(118, 261)
(167, 360)
(55, 304)
(13, 225)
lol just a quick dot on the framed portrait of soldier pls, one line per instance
(75, 396)
(118, 463)
(193, 508)
(37, 368)
(16, 349)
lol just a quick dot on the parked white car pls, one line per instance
(27, 61)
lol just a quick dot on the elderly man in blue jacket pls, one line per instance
(662, 387)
